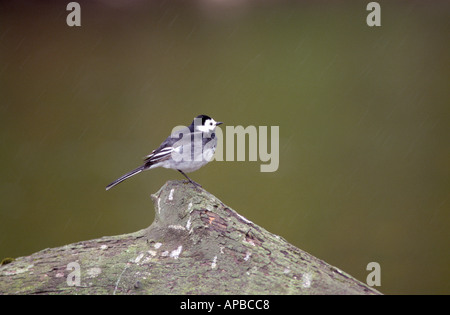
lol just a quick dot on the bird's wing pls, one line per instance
(175, 142)
(159, 155)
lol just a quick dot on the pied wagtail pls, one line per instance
(185, 150)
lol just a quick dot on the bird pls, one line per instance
(185, 150)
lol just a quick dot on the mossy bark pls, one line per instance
(196, 245)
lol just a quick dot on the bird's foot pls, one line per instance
(196, 185)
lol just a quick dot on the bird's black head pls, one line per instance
(203, 118)
(203, 123)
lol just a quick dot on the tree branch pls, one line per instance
(196, 245)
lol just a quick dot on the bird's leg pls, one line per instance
(190, 180)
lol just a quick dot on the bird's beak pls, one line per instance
(219, 123)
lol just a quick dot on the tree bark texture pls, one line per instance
(196, 245)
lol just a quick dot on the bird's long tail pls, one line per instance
(126, 176)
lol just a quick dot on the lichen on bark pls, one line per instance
(196, 245)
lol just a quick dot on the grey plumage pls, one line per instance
(185, 150)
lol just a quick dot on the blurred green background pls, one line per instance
(363, 115)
